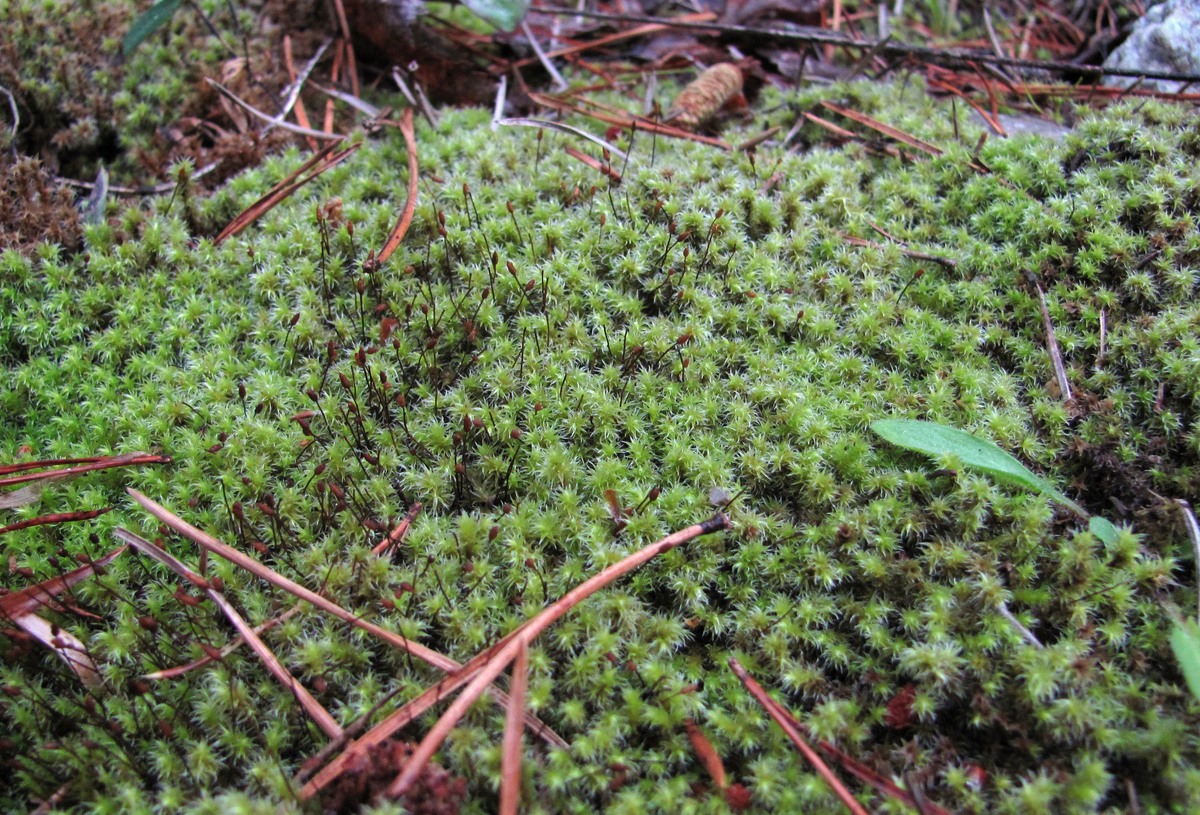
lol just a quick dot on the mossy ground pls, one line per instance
(704, 324)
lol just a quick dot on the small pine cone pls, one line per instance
(705, 95)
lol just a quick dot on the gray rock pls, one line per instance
(1167, 39)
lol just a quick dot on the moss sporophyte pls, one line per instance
(561, 369)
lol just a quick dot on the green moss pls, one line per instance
(634, 346)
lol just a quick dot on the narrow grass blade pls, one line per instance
(150, 21)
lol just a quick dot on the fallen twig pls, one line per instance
(946, 57)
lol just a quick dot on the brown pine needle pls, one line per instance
(320, 716)
(92, 464)
(298, 108)
(786, 722)
(397, 535)
(31, 598)
(53, 462)
(19, 608)
(330, 156)
(595, 164)
(852, 765)
(206, 541)
(495, 661)
(55, 518)
(514, 732)
(707, 753)
(410, 206)
(427, 655)
(887, 130)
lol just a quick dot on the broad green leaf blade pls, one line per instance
(153, 19)
(977, 454)
(504, 14)
(1185, 642)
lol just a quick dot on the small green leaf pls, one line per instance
(976, 454)
(1103, 529)
(1185, 641)
(979, 454)
(504, 14)
(153, 19)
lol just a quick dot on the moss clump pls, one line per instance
(543, 337)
